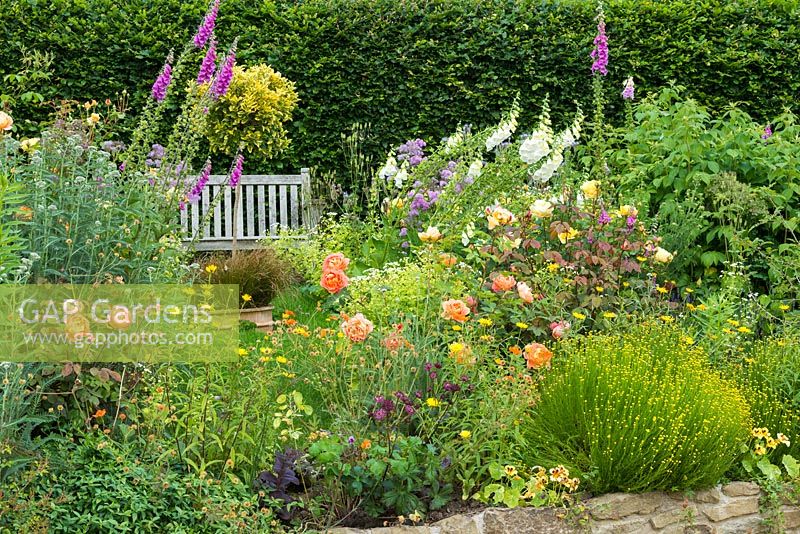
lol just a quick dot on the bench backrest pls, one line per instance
(267, 202)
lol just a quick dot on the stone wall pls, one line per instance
(733, 508)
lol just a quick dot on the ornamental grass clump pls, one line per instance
(639, 411)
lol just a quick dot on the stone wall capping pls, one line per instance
(732, 508)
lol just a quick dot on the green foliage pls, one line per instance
(83, 224)
(98, 485)
(407, 67)
(404, 476)
(252, 114)
(636, 412)
(743, 192)
(770, 377)
(10, 244)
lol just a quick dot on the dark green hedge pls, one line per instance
(419, 67)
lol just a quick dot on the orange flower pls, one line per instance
(366, 444)
(77, 327)
(25, 213)
(503, 283)
(334, 281)
(335, 262)
(524, 292)
(357, 327)
(455, 310)
(515, 350)
(537, 355)
(448, 260)
(99, 413)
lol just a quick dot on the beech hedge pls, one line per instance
(415, 68)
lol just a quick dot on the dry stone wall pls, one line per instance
(728, 509)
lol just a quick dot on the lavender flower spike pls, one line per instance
(206, 27)
(161, 84)
(600, 52)
(202, 180)
(225, 75)
(208, 66)
(236, 173)
(627, 91)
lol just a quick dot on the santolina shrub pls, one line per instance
(638, 411)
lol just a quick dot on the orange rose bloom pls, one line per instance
(537, 355)
(503, 283)
(357, 327)
(524, 292)
(448, 260)
(77, 326)
(455, 310)
(335, 262)
(334, 281)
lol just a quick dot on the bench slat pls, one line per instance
(262, 212)
(250, 213)
(228, 213)
(273, 210)
(284, 211)
(207, 195)
(294, 206)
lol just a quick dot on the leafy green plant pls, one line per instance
(745, 181)
(402, 476)
(96, 484)
(638, 411)
(541, 488)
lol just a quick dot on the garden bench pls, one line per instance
(267, 203)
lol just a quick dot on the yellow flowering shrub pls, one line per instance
(638, 411)
(253, 112)
(769, 376)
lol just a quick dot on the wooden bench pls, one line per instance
(266, 204)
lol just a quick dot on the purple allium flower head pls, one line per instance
(202, 180)
(409, 409)
(604, 217)
(379, 414)
(236, 173)
(225, 75)
(600, 52)
(627, 90)
(206, 27)
(209, 64)
(630, 221)
(767, 132)
(428, 366)
(161, 84)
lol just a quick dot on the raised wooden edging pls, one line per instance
(733, 508)
(268, 202)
